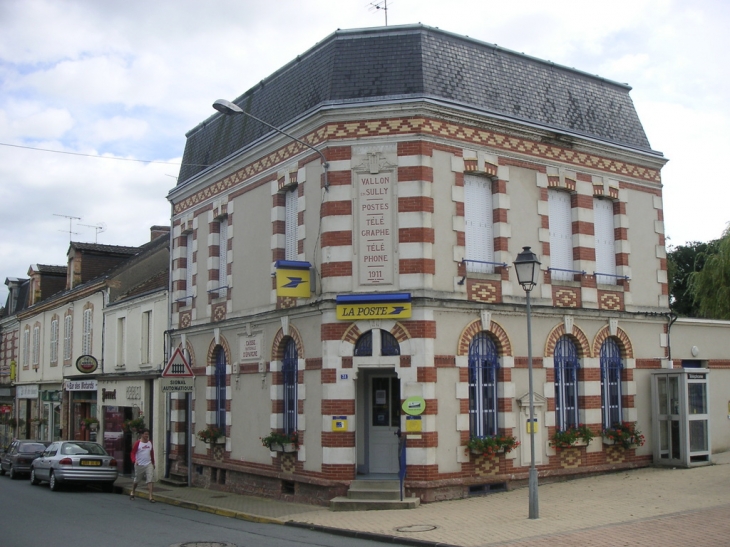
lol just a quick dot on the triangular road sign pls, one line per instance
(177, 366)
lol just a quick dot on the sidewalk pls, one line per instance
(650, 506)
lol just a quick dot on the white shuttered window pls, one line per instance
(223, 255)
(54, 341)
(67, 334)
(561, 235)
(189, 267)
(605, 240)
(292, 223)
(86, 335)
(479, 224)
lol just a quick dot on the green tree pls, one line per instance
(710, 287)
(682, 262)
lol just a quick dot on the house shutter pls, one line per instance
(189, 266)
(223, 254)
(54, 341)
(561, 234)
(605, 240)
(478, 222)
(67, 333)
(292, 222)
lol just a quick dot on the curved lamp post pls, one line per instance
(527, 268)
(231, 109)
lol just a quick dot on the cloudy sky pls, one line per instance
(116, 85)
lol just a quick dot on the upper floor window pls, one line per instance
(86, 335)
(483, 368)
(478, 223)
(67, 336)
(223, 254)
(36, 345)
(291, 216)
(611, 367)
(26, 346)
(566, 383)
(603, 227)
(54, 341)
(146, 342)
(290, 373)
(121, 341)
(189, 266)
(561, 235)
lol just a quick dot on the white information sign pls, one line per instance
(177, 385)
(251, 348)
(375, 228)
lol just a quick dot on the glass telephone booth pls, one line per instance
(680, 417)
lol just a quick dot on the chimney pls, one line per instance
(157, 231)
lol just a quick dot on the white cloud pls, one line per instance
(129, 79)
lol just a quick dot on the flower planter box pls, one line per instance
(611, 442)
(287, 448)
(219, 440)
(480, 453)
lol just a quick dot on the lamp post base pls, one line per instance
(532, 484)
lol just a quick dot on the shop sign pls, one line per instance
(394, 306)
(81, 385)
(6, 409)
(87, 364)
(27, 392)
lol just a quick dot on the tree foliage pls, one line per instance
(682, 262)
(710, 286)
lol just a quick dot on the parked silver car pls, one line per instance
(75, 462)
(19, 455)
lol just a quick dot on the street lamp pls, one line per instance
(528, 267)
(231, 109)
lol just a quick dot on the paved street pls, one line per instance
(653, 506)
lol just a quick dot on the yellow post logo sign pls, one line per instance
(293, 279)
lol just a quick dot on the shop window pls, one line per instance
(566, 383)
(290, 374)
(483, 368)
(611, 367)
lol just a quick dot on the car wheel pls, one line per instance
(33, 480)
(2, 472)
(107, 487)
(53, 483)
(12, 473)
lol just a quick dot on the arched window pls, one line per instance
(289, 370)
(483, 367)
(388, 344)
(364, 345)
(611, 367)
(566, 383)
(220, 388)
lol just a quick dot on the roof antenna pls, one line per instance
(99, 229)
(70, 221)
(383, 5)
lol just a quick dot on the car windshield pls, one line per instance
(72, 449)
(31, 448)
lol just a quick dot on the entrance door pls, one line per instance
(384, 421)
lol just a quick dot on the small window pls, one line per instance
(291, 215)
(478, 224)
(483, 368)
(561, 235)
(611, 367)
(566, 383)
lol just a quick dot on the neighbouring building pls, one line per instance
(90, 347)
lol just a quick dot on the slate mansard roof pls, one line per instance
(419, 62)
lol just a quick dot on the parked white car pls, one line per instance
(75, 462)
